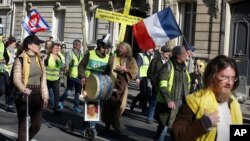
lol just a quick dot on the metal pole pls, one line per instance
(185, 40)
(27, 118)
(83, 26)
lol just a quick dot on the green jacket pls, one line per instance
(178, 80)
(179, 89)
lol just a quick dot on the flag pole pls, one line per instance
(185, 40)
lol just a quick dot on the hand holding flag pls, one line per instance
(35, 23)
(156, 29)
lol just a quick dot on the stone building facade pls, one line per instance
(5, 15)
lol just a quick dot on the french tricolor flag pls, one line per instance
(35, 23)
(156, 29)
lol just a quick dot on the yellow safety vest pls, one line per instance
(74, 66)
(169, 84)
(96, 64)
(62, 57)
(144, 66)
(2, 65)
(8, 67)
(1, 50)
(52, 70)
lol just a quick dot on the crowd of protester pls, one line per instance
(171, 81)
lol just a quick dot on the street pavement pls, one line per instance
(133, 124)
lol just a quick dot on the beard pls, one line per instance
(222, 97)
(102, 54)
(120, 53)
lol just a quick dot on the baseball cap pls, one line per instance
(178, 50)
(32, 39)
(165, 49)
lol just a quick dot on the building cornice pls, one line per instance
(5, 7)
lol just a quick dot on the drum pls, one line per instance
(98, 87)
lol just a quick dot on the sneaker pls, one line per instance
(149, 121)
(60, 105)
(77, 110)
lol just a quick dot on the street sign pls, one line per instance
(125, 19)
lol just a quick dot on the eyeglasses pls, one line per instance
(226, 78)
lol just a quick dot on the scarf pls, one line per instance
(26, 67)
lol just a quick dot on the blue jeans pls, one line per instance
(91, 124)
(51, 98)
(54, 92)
(152, 105)
(71, 83)
(161, 132)
(145, 93)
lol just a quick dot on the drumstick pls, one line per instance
(83, 93)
